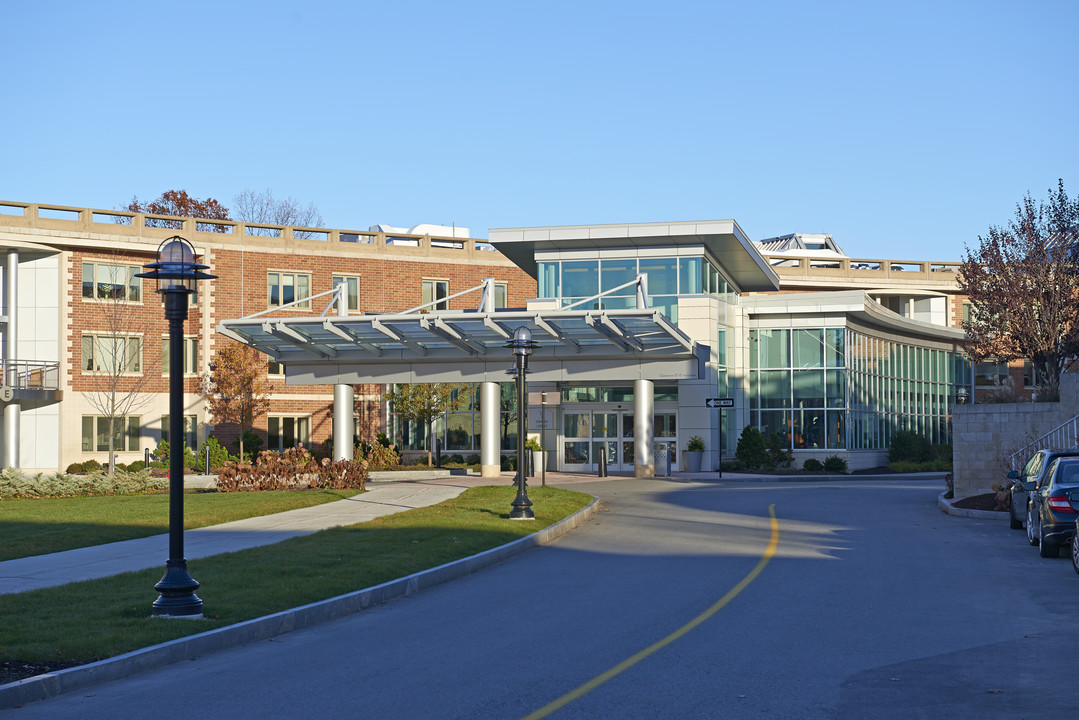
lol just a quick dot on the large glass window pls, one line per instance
(662, 275)
(549, 286)
(284, 432)
(191, 434)
(112, 354)
(103, 281)
(95, 433)
(285, 288)
(432, 290)
(191, 355)
(580, 279)
(614, 273)
(690, 276)
(352, 289)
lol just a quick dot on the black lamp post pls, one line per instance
(522, 345)
(176, 266)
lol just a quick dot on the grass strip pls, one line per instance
(96, 619)
(39, 526)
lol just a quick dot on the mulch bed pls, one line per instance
(988, 501)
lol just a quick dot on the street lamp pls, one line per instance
(522, 345)
(176, 266)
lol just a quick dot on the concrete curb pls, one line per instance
(946, 505)
(43, 687)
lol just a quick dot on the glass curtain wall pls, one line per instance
(895, 386)
(797, 386)
(668, 277)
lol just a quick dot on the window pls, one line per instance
(500, 296)
(275, 368)
(283, 433)
(1033, 377)
(286, 288)
(112, 354)
(191, 435)
(991, 373)
(436, 290)
(101, 281)
(191, 355)
(95, 433)
(353, 291)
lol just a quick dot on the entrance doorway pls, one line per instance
(588, 433)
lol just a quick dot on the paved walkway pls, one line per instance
(41, 571)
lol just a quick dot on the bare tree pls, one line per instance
(114, 358)
(263, 208)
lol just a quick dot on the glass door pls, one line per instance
(589, 434)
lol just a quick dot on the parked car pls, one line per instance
(1052, 509)
(1032, 471)
(1075, 549)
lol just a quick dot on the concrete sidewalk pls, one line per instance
(87, 563)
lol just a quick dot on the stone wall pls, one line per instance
(986, 434)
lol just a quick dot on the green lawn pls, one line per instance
(100, 618)
(37, 527)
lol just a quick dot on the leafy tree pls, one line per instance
(178, 203)
(424, 403)
(263, 208)
(1023, 286)
(236, 389)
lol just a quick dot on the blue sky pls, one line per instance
(905, 130)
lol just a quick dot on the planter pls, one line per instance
(693, 460)
(538, 458)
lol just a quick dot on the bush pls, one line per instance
(218, 454)
(508, 462)
(137, 466)
(835, 464)
(909, 446)
(812, 465)
(379, 456)
(751, 451)
(732, 466)
(382, 440)
(252, 445)
(457, 459)
(294, 469)
(779, 453)
(14, 484)
(695, 444)
(473, 459)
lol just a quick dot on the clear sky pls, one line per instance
(904, 129)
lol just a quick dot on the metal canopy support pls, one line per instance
(611, 333)
(668, 327)
(496, 327)
(392, 333)
(452, 336)
(287, 334)
(344, 334)
(248, 340)
(556, 332)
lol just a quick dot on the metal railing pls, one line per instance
(1064, 436)
(31, 374)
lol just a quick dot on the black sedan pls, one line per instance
(1033, 470)
(1053, 506)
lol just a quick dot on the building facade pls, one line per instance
(831, 353)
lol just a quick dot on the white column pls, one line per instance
(12, 411)
(490, 465)
(644, 430)
(343, 400)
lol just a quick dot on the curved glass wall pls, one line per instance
(831, 388)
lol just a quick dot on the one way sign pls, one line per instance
(719, 402)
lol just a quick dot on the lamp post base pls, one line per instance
(522, 506)
(177, 588)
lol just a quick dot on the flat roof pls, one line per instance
(724, 240)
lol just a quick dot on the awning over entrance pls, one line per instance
(470, 346)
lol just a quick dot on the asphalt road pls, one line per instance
(875, 604)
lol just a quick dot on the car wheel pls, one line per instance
(1075, 552)
(1032, 536)
(1014, 522)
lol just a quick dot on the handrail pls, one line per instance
(1066, 435)
(30, 374)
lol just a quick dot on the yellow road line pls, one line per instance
(629, 662)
